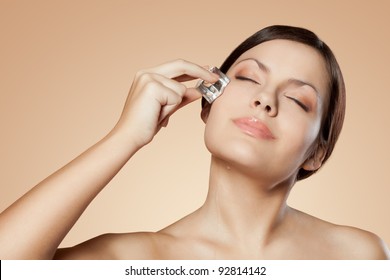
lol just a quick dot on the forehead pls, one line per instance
(287, 59)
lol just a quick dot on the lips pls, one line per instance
(254, 127)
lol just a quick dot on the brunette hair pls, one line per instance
(333, 117)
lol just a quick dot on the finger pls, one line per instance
(164, 122)
(172, 94)
(186, 78)
(175, 86)
(186, 70)
(190, 96)
(169, 93)
(166, 112)
(186, 95)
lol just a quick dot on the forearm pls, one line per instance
(34, 226)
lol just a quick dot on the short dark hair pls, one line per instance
(333, 117)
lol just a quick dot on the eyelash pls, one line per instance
(242, 78)
(299, 103)
(303, 106)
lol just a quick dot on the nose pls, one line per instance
(267, 102)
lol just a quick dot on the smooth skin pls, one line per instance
(34, 226)
(245, 215)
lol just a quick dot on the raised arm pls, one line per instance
(34, 225)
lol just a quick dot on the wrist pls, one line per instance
(124, 141)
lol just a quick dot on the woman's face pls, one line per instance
(270, 114)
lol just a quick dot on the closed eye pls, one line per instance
(243, 78)
(303, 106)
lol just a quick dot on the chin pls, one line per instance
(244, 157)
(253, 161)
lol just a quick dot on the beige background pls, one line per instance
(66, 67)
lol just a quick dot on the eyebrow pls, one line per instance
(266, 69)
(261, 65)
(303, 83)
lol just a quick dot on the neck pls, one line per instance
(243, 208)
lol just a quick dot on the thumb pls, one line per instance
(191, 95)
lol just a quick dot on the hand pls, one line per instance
(155, 94)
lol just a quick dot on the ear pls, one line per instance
(314, 162)
(204, 114)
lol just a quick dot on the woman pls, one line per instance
(276, 122)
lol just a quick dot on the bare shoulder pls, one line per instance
(111, 246)
(359, 244)
(339, 241)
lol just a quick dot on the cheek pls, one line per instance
(220, 136)
(232, 103)
(234, 94)
(300, 133)
(224, 109)
(214, 135)
(215, 123)
(295, 132)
